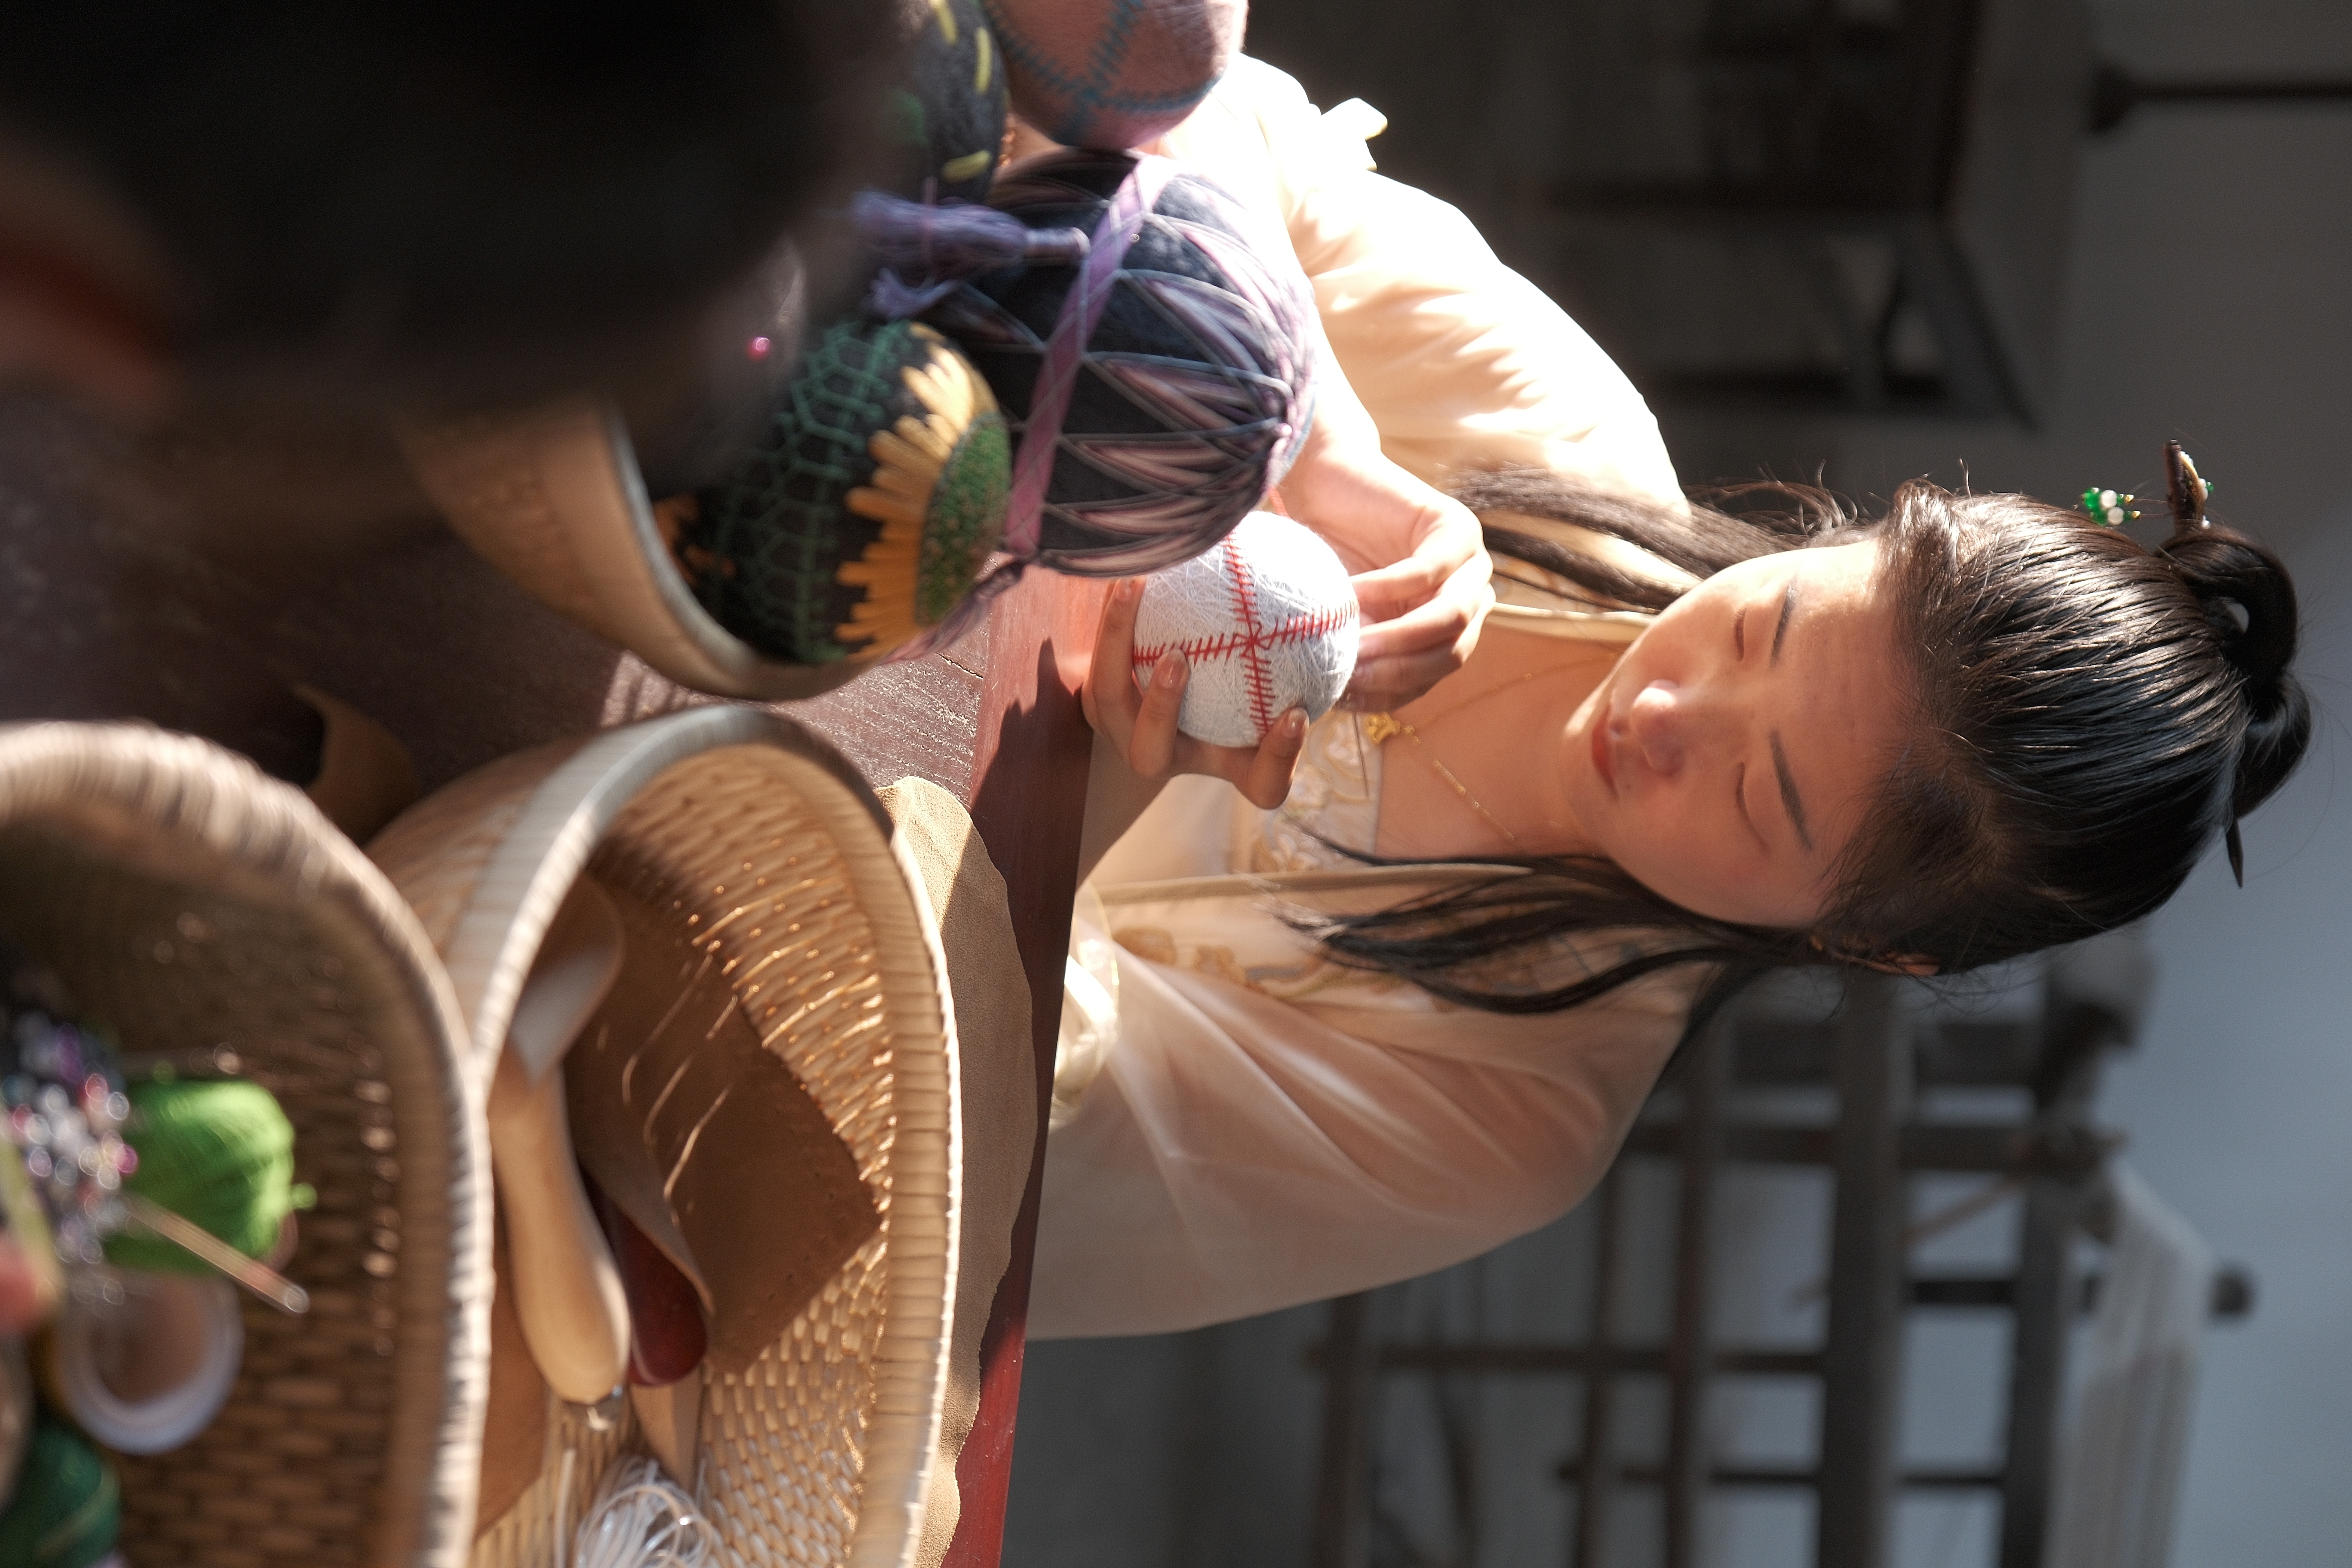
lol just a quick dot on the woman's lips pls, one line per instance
(1604, 755)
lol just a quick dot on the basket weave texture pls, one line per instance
(187, 901)
(554, 500)
(775, 857)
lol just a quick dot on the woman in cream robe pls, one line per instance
(1239, 1126)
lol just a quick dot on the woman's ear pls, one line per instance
(82, 291)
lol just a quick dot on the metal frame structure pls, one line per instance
(1945, 136)
(1875, 1051)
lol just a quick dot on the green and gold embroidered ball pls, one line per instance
(868, 509)
(944, 121)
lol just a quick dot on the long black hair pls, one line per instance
(2087, 715)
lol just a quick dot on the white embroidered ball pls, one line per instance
(1267, 622)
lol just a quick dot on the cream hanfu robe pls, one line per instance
(1238, 1125)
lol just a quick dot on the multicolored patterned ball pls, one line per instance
(1114, 73)
(1161, 384)
(946, 113)
(866, 511)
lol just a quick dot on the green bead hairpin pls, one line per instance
(2109, 509)
(2185, 491)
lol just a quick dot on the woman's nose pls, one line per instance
(1658, 723)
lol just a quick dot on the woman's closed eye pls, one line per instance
(1739, 634)
(1739, 797)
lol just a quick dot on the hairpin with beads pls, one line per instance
(2185, 489)
(2109, 509)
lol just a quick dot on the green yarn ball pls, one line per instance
(68, 1507)
(219, 1154)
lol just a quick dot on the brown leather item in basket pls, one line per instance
(681, 1115)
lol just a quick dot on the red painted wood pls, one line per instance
(1029, 796)
(919, 718)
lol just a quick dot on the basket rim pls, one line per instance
(522, 885)
(181, 809)
(567, 812)
(593, 551)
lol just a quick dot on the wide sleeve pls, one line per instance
(1239, 1152)
(1462, 363)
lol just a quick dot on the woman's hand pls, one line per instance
(24, 1302)
(1142, 724)
(1422, 572)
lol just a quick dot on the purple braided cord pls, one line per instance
(1057, 376)
(941, 243)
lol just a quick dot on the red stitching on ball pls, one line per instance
(1252, 641)
(1259, 677)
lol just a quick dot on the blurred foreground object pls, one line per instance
(1114, 74)
(373, 203)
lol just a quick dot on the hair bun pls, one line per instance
(2250, 602)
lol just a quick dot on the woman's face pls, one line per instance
(1728, 759)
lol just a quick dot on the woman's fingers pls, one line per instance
(1267, 781)
(1140, 724)
(1423, 614)
(1398, 590)
(1389, 684)
(23, 1303)
(1152, 750)
(1399, 659)
(1262, 772)
(1447, 552)
(1110, 695)
(1447, 617)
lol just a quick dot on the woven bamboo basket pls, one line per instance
(552, 498)
(186, 901)
(769, 844)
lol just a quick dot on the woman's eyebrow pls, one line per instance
(1780, 630)
(1790, 799)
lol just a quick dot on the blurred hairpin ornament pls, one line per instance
(2187, 490)
(2110, 508)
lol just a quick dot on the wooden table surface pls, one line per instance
(996, 720)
